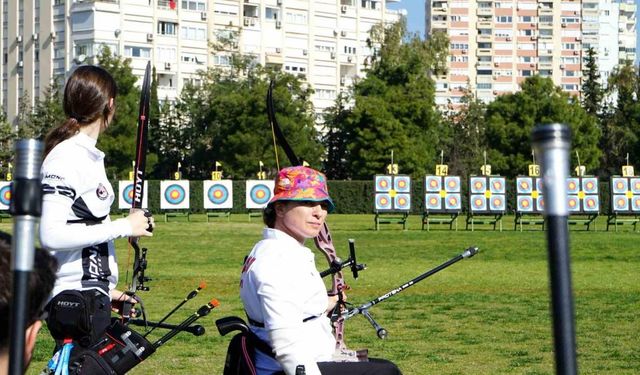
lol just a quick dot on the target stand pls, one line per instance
(529, 202)
(392, 200)
(625, 201)
(442, 201)
(487, 201)
(583, 201)
(217, 198)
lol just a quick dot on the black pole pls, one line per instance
(552, 142)
(26, 208)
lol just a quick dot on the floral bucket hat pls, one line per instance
(301, 184)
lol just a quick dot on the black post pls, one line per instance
(552, 142)
(26, 208)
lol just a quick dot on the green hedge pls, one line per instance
(350, 197)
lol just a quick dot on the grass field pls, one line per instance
(485, 315)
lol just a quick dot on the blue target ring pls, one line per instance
(174, 194)
(260, 194)
(218, 194)
(5, 195)
(127, 194)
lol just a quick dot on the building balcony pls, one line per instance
(485, 12)
(545, 65)
(439, 10)
(545, 25)
(484, 24)
(439, 24)
(484, 52)
(484, 65)
(485, 38)
(626, 7)
(545, 52)
(545, 11)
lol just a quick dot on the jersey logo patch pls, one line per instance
(102, 192)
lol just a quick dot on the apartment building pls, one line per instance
(497, 44)
(323, 41)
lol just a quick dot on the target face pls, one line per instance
(620, 203)
(497, 203)
(477, 185)
(125, 195)
(432, 201)
(383, 183)
(258, 193)
(573, 203)
(540, 203)
(217, 194)
(383, 202)
(590, 185)
(402, 184)
(634, 185)
(402, 202)
(432, 183)
(573, 186)
(453, 202)
(524, 185)
(619, 185)
(524, 204)
(174, 194)
(591, 203)
(452, 184)
(635, 204)
(5, 195)
(478, 202)
(497, 185)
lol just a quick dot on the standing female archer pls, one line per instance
(283, 294)
(77, 198)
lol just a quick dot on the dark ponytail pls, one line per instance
(87, 95)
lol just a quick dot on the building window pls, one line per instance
(222, 60)
(504, 19)
(272, 13)
(525, 73)
(350, 50)
(133, 51)
(193, 33)
(167, 28)
(194, 5)
(484, 86)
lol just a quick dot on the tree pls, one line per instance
(47, 112)
(335, 132)
(592, 92)
(395, 104)
(466, 140)
(511, 119)
(118, 142)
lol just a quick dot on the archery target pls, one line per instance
(524, 185)
(452, 184)
(573, 202)
(125, 195)
(573, 185)
(383, 183)
(432, 183)
(217, 194)
(591, 203)
(635, 204)
(452, 202)
(402, 184)
(5, 195)
(539, 185)
(620, 203)
(478, 202)
(432, 201)
(590, 185)
(402, 202)
(174, 194)
(477, 185)
(496, 185)
(524, 203)
(258, 193)
(634, 185)
(540, 203)
(497, 203)
(619, 185)
(383, 202)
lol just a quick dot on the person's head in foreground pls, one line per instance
(41, 282)
(300, 203)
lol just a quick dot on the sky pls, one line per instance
(415, 16)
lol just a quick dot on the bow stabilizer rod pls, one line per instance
(364, 308)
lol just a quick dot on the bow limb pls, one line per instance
(323, 241)
(140, 262)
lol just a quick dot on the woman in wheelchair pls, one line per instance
(283, 294)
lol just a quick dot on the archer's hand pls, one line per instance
(142, 223)
(118, 298)
(333, 301)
